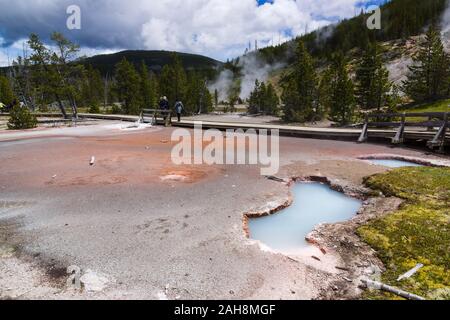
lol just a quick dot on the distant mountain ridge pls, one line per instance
(154, 59)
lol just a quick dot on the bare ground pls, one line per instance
(152, 230)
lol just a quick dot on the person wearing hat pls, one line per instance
(178, 109)
(164, 105)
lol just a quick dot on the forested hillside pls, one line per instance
(345, 70)
(400, 19)
(155, 60)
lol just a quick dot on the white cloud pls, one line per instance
(3, 59)
(218, 28)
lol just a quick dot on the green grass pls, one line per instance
(419, 232)
(440, 106)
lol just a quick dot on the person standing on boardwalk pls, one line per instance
(164, 105)
(179, 109)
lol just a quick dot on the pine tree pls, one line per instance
(324, 93)
(254, 101)
(263, 99)
(147, 88)
(127, 87)
(372, 78)
(6, 92)
(66, 73)
(207, 100)
(342, 99)
(271, 101)
(44, 74)
(173, 81)
(299, 89)
(193, 94)
(21, 82)
(92, 87)
(428, 76)
(21, 118)
(216, 98)
(382, 88)
(198, 97)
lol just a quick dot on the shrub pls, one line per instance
(95, 109)
(21, 118)
(116, 109)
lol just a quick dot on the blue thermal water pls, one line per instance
(395, 163)
(314, 203)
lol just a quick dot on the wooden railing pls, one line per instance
(439, 120)
(154, 113)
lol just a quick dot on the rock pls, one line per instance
(6, 252)
(94, 282)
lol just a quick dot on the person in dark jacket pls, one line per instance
(164, 105)
(179, 109)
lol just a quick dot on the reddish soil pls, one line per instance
(139, 158)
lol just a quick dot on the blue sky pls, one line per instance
(217, 28)
(360, 3)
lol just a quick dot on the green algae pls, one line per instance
(419, 232)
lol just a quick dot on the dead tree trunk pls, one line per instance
(61, 106)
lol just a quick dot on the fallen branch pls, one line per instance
(342, 268)
(384, 287)
(411, 272)
(276, 179)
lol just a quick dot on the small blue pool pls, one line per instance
(394, 163)
(314, 203)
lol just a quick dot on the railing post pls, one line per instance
(365, 132)
(155, 119)
(398, 139)
(439, 138)
(444, 132)
(430, 118)
(168, 119)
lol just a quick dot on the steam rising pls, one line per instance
(253, 68)
(445, 25)
(222, 84)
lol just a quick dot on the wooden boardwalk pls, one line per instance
(433, 131)
(352, 134)
(409, 132)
